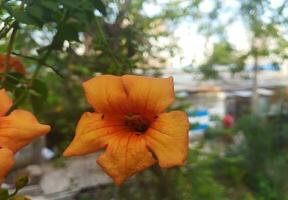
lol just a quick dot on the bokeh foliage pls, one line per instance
(64, 42)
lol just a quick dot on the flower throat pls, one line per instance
(137, 123)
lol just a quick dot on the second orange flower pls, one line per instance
(131, 124)
(16, 131)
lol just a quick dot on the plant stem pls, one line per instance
(162, 183)
(13, 194)
(9, 50)
(7, 27)
(40, 62)
(104, 39)
(37, 59)
(31, 81)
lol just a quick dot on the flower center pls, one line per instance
(137, 122)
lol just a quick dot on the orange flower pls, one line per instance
(130, 123)
(6, 163)
(14, 63)
(16, 131)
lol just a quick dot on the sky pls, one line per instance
(192, 44)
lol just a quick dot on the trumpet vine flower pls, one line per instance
(131, 124)
(17, 130)
(14, 63)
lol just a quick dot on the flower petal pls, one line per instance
(167, 137)
(148, 94)
(6, 102)
(17, 65)
(126, 94)
(19, 129)
(7, 161)
(93, 132)
(106, 93)
(14, 63)
(125, 155)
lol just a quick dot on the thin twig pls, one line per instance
(30, 82)
(9, 48)
(41, 61)
(106, 43)
(6, 28)
(44, 64)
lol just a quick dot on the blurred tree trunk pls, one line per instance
(255, 96)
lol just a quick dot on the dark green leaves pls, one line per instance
(4, 194)
(21, 182)
(99, 5)
(71, 4)
(13, 79)
(69, 31)
(87, 5)
(51, 5)
(34, 13)
(41, 12)
(38, 94)
(24, 18)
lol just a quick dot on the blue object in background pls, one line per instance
(197, 113)
(200, 117)
(200, 127)
(201, 113)
(270, 67)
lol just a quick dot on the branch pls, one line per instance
(10, 47)
(44, 64)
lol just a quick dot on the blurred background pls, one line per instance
(229, 63)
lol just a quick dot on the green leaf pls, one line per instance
(71, 3)
(13, 79)
(68, 31)
(21, 182)
(24, 18)
(28, 1)
(38, 95)
(52, 5)
(100, 6)
(4, 195)
(36, 12)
